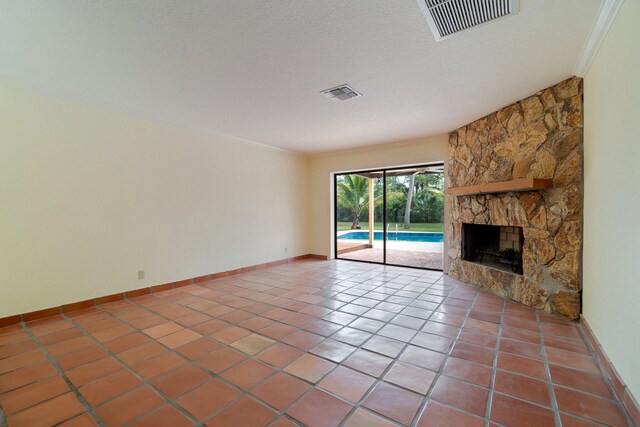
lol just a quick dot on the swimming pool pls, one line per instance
(406, 236)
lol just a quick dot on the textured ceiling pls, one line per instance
(253, 69)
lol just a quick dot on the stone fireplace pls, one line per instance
(538, 137)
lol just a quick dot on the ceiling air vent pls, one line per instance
(340, 93)
(446, 17)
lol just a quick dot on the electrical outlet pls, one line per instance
(286, 250)
(140, 274)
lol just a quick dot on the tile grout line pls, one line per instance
(434, 281)
(356, 405)
(362, 295)
(603, 374)
(143, 307)
(395, 359)
(552, 386)
(338, 364)
(243, 393)
(315, 385)
(236, 272)
(547, 372)
(129, 368)
(449, 354)
(3, 419)
(538, 379)
(213, 375)
(440, 372)
(88, 408)
(311, 290)
(494, 368)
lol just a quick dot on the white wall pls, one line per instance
(89, 196)
(611, 300)
(415, 152)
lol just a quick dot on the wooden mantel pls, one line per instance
(525, 184)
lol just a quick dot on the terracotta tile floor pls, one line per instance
(310, 343)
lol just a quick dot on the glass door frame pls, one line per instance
(384, 213)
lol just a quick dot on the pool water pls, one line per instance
(406, 236)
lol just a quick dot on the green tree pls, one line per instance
(428, 201)
(428, 205)
(395, 205)
(396, 198)
(353, 194)
(407, 209)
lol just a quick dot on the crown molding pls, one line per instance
(606, 15)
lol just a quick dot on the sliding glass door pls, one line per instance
(414, 217)
(391, 216)
(359, 222)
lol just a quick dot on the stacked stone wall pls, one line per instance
(539, 137)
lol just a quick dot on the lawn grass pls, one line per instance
(418, 226)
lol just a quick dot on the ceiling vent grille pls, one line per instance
(446, 17)
(340, 93)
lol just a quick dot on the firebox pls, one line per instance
(493, 246)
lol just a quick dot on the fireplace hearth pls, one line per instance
(493, 246)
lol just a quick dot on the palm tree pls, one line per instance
(422, 185)
(353, 194)
(428, 204)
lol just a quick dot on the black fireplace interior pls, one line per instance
(493, 246)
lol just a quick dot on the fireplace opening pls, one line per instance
(493, 246)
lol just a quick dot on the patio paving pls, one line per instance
(429, 260)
